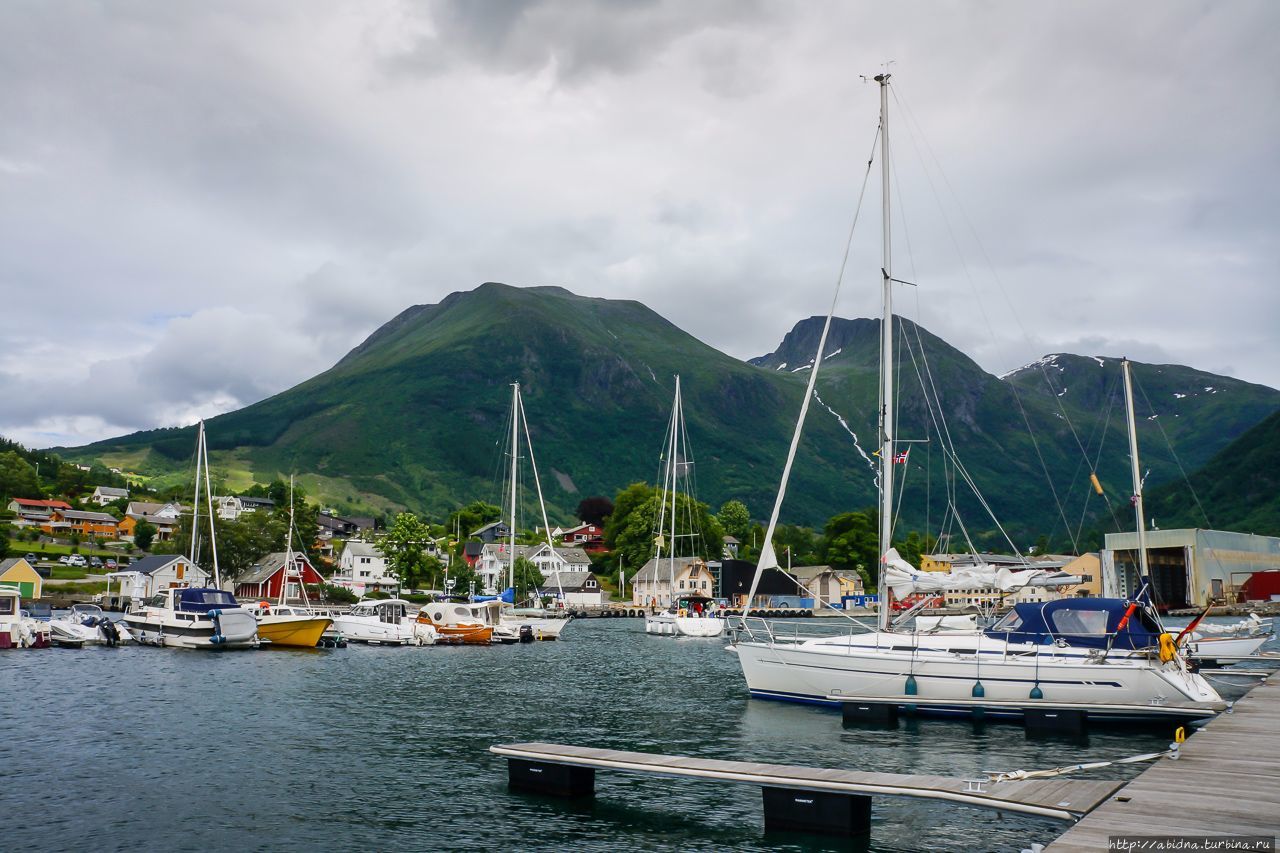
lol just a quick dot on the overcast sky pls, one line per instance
(202, 204)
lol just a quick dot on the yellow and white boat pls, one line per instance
(290, 627)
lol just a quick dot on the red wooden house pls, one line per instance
(263, 580)
(588, 537)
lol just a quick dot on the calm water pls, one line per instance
(386, 749)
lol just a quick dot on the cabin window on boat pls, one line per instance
(156, 601)
(1072, 621)
(7, 606)
(1011, 622)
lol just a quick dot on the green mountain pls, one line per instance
(416, 415)
(1239, 487)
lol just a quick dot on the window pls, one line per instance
(1080, 621)
(682, 584)
(181, 570)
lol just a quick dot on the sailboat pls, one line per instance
(283, 625)
(1106, 658)
(688, 613)
(525, 621)
(196, 617)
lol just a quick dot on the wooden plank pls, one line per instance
(1063, 799)
(1225, 782)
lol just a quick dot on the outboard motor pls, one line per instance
(109, 631)
(526, 633)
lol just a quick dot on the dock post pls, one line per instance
(820, 813)
(559, 780)
(870, 714)
(1055, 720)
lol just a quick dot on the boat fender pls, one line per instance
(1168, 648)
(217, 639)
(912, 689)
(1036, 692)
(979, 691)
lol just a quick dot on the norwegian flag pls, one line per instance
(900, 458)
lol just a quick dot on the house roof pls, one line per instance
(6, 565)
(79, 515)
(572, 556)
(33, 502)
(566, 580)
(257, 502)
(268, 566)
(808, 573)
(473, 549)
(113, 491)
(158, 520)
(148, 508)
(491, 525)
(650, 569)
(153, 563)
(361, 549)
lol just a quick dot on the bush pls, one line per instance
(333, 594)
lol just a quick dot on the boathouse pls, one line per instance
(17, 573)
(574, 588)
(265, 579)
(162, 571)
(1190, 568)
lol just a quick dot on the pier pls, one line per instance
(807, 799)
(1226, 781)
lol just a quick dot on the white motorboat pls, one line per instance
(193, 618)
(1106, 656)
(88, 624)
(691, 617)
(542, 625)
(17, 629)
(383, 622)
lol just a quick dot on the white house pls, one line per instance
(104, 495)
(652, 586)
(574, 589)
(157, 572)
(362, 568)
(495, 560)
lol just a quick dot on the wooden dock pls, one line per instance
(789, 790)
(1226, 781)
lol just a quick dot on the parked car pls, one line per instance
(96, 562)
(65, 559)
(77, 560)
(30, 558)
(111, 563)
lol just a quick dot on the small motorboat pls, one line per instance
(286, 626)
(88, 624)
(194, 618)
(456, 623)
(383, 622)
(18, 630)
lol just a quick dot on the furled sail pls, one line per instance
(904, 579)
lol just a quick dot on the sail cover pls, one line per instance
(904, 579)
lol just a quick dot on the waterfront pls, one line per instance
(386, 748)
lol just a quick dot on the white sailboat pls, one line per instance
(684, 615)
(195, 617)
(539, 624)
(1105, 656)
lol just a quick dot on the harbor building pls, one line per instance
(1190, 567)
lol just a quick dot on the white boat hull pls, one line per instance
(543, 629)
(813, 671)
(235, 629)
(1212, 648)
(672, 625)
(360, 629)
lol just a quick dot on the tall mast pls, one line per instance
(288, 554)
(195, 500)
(886, 362)
(515, 446)
(675, 461)
(208, 492)
(1143, 571)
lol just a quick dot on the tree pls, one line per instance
(595, 510)
(851, 543)
(405, 549)
(632, 533)
(471, 518)
(528, 578)
(734, 518)
(143, 535)
(17, 478)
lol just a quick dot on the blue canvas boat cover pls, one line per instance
(1087, 622)
(204, 599)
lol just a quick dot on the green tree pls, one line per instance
(734, 518)
(594, 510)
(404, 546)
(143, 535)
(528, 578)
(17, 478)
(851, 543)
(472, 517)
(632, 535)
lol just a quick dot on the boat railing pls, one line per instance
(758, 629)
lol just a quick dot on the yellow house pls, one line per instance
(935, 562)
(17, 573)
(1088, 567)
